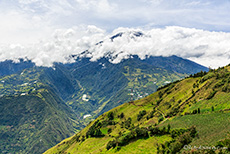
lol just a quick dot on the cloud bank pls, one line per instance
(204, 47)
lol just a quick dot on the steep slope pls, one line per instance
(60, 80)
(9, 67)
(94, 87)
(180, 116)
(106, 85)
(33, 117)
(88, 87)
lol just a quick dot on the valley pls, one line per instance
(192, 112)
(62, 100)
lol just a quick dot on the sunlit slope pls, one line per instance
(149, 125)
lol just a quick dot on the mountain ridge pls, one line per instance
(83, 90)
(182, 113)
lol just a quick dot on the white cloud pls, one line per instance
(30, 24)
(205, 47)
(57, 48)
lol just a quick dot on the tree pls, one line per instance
(141, 114)
(110, 115)
(212, 108)
(168, 128)
(122, 115)
(111, 144)
(198, 110)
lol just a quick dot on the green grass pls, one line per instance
(211, 127)
(219, 102)
(104, 130)
(142, 146)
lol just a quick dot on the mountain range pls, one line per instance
(187, 116)
(40, 106)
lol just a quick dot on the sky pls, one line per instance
(48, 31)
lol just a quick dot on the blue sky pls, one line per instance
(28, 23)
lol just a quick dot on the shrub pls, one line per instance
(77, 138)
(168, 128)
(108, 122)
(198, 110)
(141, 114)
(158, 101)
(121, 115)
(111, 144)
(83, 138)
(109, 130)
(127, 123)
(212, 94)
(225, 89)
(219, 84)
(193, 131)
(150, 115)
(110, 115)
(154, 131)
(185, 138)
(94, 130)
(160, 119)
(181, 137)
(177, 132)
(199, 74)
(212, 108)
(194, 111)
(160, 94)
(141, 132)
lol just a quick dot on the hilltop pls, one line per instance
(193, 112)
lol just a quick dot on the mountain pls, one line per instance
(32, 116)
(106, 85)
(187, 116)
(9, 67)
(40, 106)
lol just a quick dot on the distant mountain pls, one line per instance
(93, 87)
(9, 67)
(107, 85)
(187, 116)
(40, 106)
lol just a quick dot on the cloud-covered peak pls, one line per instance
(205, 47)
(194, 44)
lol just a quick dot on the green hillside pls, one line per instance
(33, 118)
(41, 106)
(193, 112)
(106, 85)
(34, 122)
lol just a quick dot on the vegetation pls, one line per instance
(186, 115)
(141, 114)
(94, 130)
(34, 116)
(31, 123)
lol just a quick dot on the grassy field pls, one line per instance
(142, 146)
(211, 127)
